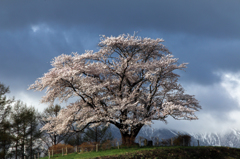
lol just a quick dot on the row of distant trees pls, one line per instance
(20, 132)
(18, 127)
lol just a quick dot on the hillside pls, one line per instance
(159, 153)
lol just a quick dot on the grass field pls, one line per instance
(178, 152)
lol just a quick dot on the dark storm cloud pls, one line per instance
(205, 56)
(27, 54)
(203, 33)
(216, 18)
(190, 28)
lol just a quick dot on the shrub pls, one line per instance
(88, 146)
(182, 140)
(106, 145)
(166, 142)
(114, 142)
(57, 149)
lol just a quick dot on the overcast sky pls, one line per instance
(204, 33)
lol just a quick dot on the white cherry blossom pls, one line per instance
(129, 82)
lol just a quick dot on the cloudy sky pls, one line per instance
(203, 33)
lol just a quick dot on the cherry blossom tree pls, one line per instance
(129, 82)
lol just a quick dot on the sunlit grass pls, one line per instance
(166, 152)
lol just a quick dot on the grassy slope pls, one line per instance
(160, 152)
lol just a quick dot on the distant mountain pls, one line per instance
(229, 139)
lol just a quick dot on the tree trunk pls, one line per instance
(129, 139)
(55, 139)
(96, 134)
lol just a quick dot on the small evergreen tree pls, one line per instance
(25, 131)
(5, 125)
(34, 138)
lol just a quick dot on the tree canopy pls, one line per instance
(129, 82)
(51, 139)
(25, 131)
(5, 125)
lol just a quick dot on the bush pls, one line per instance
(114, 142)
(91, 146)
(166, 142)
(88, 146)
(106, 145)
(57, 149)
(182, 140)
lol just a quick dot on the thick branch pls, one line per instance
(69, 84)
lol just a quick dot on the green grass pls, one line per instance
(177, 152)
(99, 153)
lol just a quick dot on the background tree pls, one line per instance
(98, 134)
(53, 138)
(19, 119)
(182, 140)
(74, 140)
(5, 125)
(34, 144)
(129, 82)
(25, 131)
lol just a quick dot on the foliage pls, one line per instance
(51, 139)
(115, 142)
(106, 145)
(74, 139)
(18, 127)
(166, 142)
(25, 131)
(129, 82)
(88, 146)
(98, 134)
(91, 146)
(182, 140)
(57, 149)
(34, 144)
(179, 140)
(5, 125)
